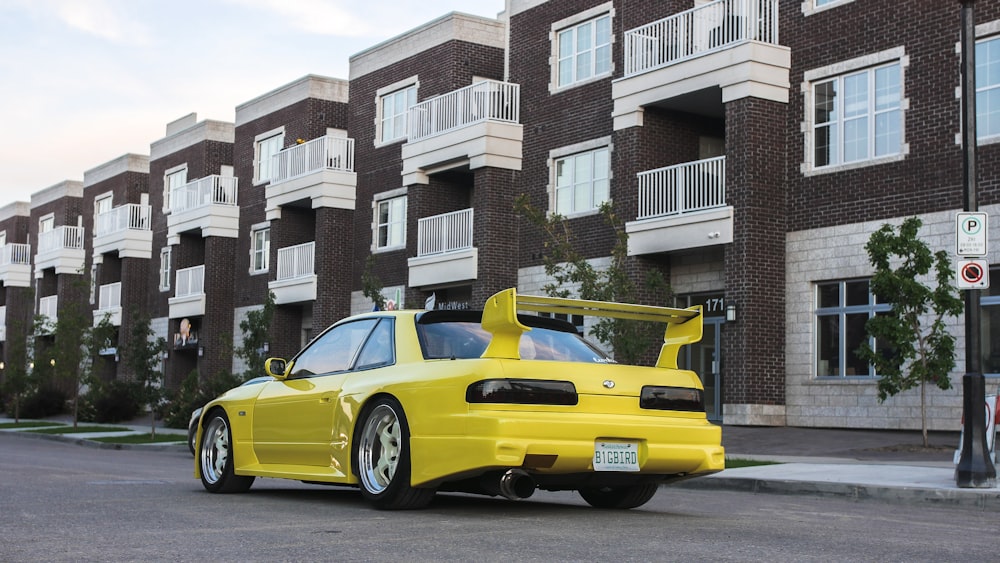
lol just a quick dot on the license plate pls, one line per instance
(616, 456)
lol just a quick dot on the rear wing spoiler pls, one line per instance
(684, 326)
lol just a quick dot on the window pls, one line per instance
(989, 322)
(173, 179)
(582, 181)
(3, 239)
(392, 113)
(390, 223)
(583, 51)
(379, 350)
(46, 224)
(858, 116)
(332, 351)
(810, 7)
(265, 147)
(842, 309)
(260, 249)
(988, 88)
(102, 204)
(165, 268)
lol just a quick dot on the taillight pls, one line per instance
(672, 399)
(522, 392)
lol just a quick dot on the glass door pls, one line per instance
(704, 358)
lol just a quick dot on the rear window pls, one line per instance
(464, 339)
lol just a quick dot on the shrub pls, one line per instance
(194, 393)
(47, 400)
(113, 401)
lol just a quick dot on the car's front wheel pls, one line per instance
(216, 457)
(382, 458)
(619, 497)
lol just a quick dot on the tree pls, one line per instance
(569, 268)
(68, 357)
(914, 345)
(93, 340)
(143, 355)
(371, 285)
(256, 327)
(17, 376)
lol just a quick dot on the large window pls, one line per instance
(172, 179)
(392, 113)
(583, 51)
(990, 323)
(582, 181)
(988, 88)
(842, 309)
(858, 116)
(390, 223)
(265, 147)
(260, 249)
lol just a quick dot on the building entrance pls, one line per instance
(705, 357)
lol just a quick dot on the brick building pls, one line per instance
(750, 147)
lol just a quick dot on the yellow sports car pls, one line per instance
(403, 404)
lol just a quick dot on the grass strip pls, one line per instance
(80, 429)
(142, 439)
(738, 463)
(29, 424)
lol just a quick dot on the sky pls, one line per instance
(83, 82)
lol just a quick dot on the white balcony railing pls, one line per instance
(190, 281)
(692, 186)
(488, 100)
(296, 261)
(60, 238)
(324, 153)
(3, 323)
(210, 190)
(693, 32)
(47, 307)
(444, 233)
(15, 253)
(128, 217)
(110, 297)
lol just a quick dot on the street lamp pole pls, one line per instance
(975, 469)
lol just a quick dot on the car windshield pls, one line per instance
(466, 339)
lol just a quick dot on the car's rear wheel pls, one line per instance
(382, 458)
(216, 457)
(619, 497)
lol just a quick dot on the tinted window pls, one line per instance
(334, 350)
(378, 350)
(464, 340)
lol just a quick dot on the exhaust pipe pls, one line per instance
(516, 484)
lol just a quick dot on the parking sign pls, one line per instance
(970, 234)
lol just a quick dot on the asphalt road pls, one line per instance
(64, 502)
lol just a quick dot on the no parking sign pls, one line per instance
(973, 274)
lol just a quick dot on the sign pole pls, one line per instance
(975, 469)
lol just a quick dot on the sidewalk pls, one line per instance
(87, 439)
(887, 466)
(863, 465)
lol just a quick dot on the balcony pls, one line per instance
(62, 249)
(475, 126)
(296, 276)
(208, 204)
(445, 254)
(681, 207)
(189, 293)
(125, 230)
(48, 308)
(109, 303)
(15, 265)
(320, 171)
(730, 45)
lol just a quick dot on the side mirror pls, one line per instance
(275, 367)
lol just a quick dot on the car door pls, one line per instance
(293, 419)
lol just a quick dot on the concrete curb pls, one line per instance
(986, 500)
(180, 445)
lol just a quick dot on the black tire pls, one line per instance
(216, 457)
(382, 458)
(619, 497)
(192, 434)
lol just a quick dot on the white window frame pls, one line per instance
(101, 200)
(810, 7)
(46, 223)
(265, 146)
(403, 87)
(165, 257)
(93, 283)
(260, 249)
(388, 199)
(3, 238)
(179, 171)
(572, 152)
(868, 63)
(992, 28)
(573, 24)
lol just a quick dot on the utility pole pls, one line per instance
(975, 469)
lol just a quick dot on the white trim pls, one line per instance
(384, 197)
(809, 7)
(257, 142)
(384, 91)
(570, 150)
(895, 54)
(564, 24)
